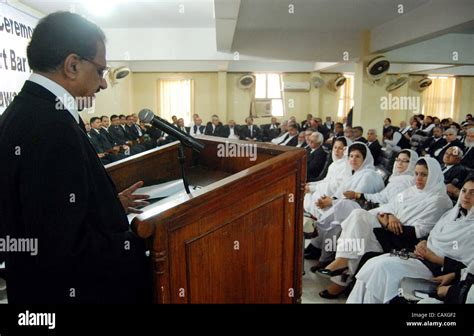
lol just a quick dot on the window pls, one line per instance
(268, 87)
(346, 96)
(176, 98)
(438, 98)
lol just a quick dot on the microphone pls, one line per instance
(147, 116)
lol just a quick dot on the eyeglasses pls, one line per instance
(403, 254)
(101, 70)
(402, 161)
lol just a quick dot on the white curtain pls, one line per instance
(176, 98)
(438, 99)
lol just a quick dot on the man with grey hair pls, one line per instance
(451, 135)
(374, 145)
(317, 156)
(301, 140)
(468, 157)
(454, 172)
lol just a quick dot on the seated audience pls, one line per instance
(408, 218)
(362, 179)
(378, 281)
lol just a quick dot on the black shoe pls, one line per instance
(326, 295)
(318, 266)
(328, 273)
(312, 253)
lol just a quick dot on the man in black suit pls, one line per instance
(329, 124)
(306, 123)
(271, 130)
(250, 131)
(316, 158)
(54, 187)
(468, 157)
(105, 150)
(454, 172)
(231, 131)
(374, 146)
(338, 132)
(197, 129)
(451, 141)
(291, 138)
(214, 128)
(358, 134)
(435, 142)
(121, 137)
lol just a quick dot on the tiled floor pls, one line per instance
(313, 284)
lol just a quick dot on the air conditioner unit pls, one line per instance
(296, 86)
(262, 108)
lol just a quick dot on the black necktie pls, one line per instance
(195, 129)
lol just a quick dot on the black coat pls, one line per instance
(218, 131)
(455, 175)
(445, 148)
(376, 151)
(244, 132)
(58, 192)
(434, 145)
(316, 161)
(468, 158)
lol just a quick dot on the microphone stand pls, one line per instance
(181, 159)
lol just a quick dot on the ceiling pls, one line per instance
(271, 35)
(138, 14)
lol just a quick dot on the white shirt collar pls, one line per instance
(60, 93)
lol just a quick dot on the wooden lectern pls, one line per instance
(239, 238)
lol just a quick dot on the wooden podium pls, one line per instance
(239, 238)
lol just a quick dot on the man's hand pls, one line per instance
(130, 201)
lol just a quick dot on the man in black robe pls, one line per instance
(54, 187)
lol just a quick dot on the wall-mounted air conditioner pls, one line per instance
(296, 86)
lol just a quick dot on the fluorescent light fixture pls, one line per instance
(102, 7)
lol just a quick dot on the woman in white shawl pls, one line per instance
(363, 179)
(408, 217)
(450, 243)
(400, 180)
(338, 170)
